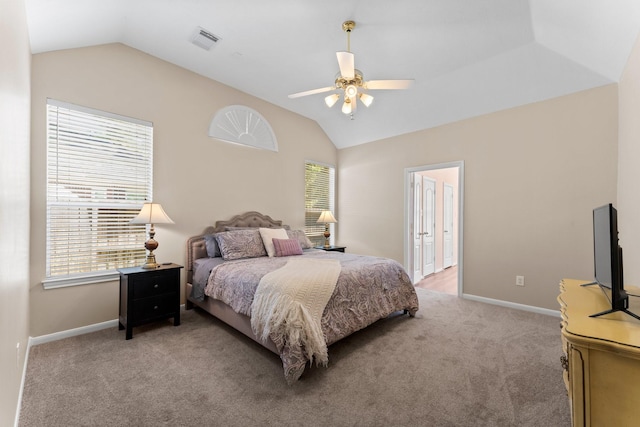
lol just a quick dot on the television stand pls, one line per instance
(601, 358)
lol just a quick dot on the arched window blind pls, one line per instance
(319, 196)
(99, 173)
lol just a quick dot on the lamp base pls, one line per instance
(151, 245)
(326, 239)
(150, 262)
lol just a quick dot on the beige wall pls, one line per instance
(15, 60)
(528, 198)
(196, 179)
(628, 170)
(533, 174)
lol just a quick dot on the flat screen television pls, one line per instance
(607, 255)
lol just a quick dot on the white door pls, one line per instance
(447, 230)
(428, 226)
(416, 229)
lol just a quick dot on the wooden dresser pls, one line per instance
(602, 357)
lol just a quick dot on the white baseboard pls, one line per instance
(22, 380)
(72, 332)
(531, 308)
(76, 331)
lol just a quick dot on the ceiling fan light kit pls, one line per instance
(351, 82)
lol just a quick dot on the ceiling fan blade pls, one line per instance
(346, 62)
(389, 84)
(312, 92)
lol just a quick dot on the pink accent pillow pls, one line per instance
(287, 247)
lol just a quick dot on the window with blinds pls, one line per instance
(99, 173)
(319, 195)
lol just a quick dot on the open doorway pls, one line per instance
(433, 226)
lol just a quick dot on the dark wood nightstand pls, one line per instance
(147, 295)
(332, 248)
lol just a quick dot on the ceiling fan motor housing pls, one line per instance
(343, 83)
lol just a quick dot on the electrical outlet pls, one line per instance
(519, 280)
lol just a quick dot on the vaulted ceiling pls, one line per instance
(468, 57)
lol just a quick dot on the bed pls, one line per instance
(230, 285)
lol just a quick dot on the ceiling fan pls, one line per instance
(351, 82)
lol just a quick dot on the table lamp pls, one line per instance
(151, 213)
(327, 218)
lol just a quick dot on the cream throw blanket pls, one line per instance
(290, 301)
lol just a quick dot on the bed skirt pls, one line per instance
(225, 313)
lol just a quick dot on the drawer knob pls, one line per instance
(155, 286)
(155, 307)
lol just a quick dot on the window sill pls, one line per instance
(79, 280)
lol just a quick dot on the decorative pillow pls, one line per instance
(240, 244)
(212, 245)
(305, 243)
(268, 234)
(287, 247)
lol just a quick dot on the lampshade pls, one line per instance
(346, 107)
(152, 213)
(331, 100)
(326, 217)
(366, 99)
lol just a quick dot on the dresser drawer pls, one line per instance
(149, 308)
(149, 285)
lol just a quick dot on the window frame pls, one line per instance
(101, 216)
(315, 233)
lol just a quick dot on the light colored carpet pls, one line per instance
(458, 363)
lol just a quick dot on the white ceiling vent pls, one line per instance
(204, 38)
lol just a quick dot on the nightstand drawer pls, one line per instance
(154, 284)
(149, 308)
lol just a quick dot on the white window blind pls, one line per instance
(319, 196)
(99, 173)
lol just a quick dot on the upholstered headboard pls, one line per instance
(196, 247)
